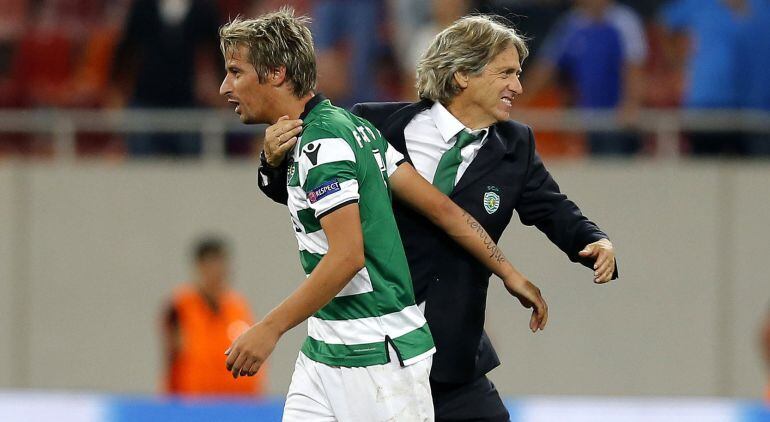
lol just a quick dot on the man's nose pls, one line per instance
(516, 87)
(225, 87)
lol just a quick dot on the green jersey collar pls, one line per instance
(317, 99)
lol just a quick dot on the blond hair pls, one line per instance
(274, 40)
(466, 46)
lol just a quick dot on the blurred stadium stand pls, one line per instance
(59, 54)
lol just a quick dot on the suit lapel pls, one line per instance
(487, 159)
(393, 128)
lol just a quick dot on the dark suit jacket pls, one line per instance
(453, 284)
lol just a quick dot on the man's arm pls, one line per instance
(543, 205)
(280, 138)
(411, 188)
(344, 259)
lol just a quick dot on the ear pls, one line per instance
(461, 79)
(277, 76)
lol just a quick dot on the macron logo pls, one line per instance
(311, 150)
(325, 189)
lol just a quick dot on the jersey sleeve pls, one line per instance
(327, 174)
(393, 159)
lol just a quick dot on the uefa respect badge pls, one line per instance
(323, 190)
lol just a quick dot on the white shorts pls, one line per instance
(388, 392)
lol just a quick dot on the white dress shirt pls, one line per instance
(431, 133)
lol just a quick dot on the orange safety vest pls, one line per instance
(199, 365)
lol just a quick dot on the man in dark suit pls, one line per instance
(460, 137)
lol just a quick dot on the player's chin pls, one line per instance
(246, 119)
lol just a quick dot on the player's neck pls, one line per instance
(294, 107)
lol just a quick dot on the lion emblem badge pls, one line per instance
(491, 202)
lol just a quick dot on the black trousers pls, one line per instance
(475, 401)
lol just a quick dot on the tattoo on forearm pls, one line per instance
(493, 250)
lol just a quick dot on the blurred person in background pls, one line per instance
(406, 18)
(44, 60)
(467, 81)
(59, 59)
(532, 18)
(89, 84)
(13, 22)
(201, 320)
(167, 57)
(348, 46)
(420, 21)
(726, 65)
(600, 47)
(755, 51)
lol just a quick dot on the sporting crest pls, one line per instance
(491, 202)
(291, 174)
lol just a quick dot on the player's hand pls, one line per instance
(530, 297)
(280, 138)
(603, 254)
(251, 349)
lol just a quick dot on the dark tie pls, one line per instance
(446, 172)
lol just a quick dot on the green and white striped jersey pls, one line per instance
(340, 159)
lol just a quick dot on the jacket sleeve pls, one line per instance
(357, 109)
(272, 180)
(543, 205)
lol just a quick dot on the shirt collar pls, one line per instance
(448, 125)
(317, 99)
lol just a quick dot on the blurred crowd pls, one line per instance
(614, 55)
